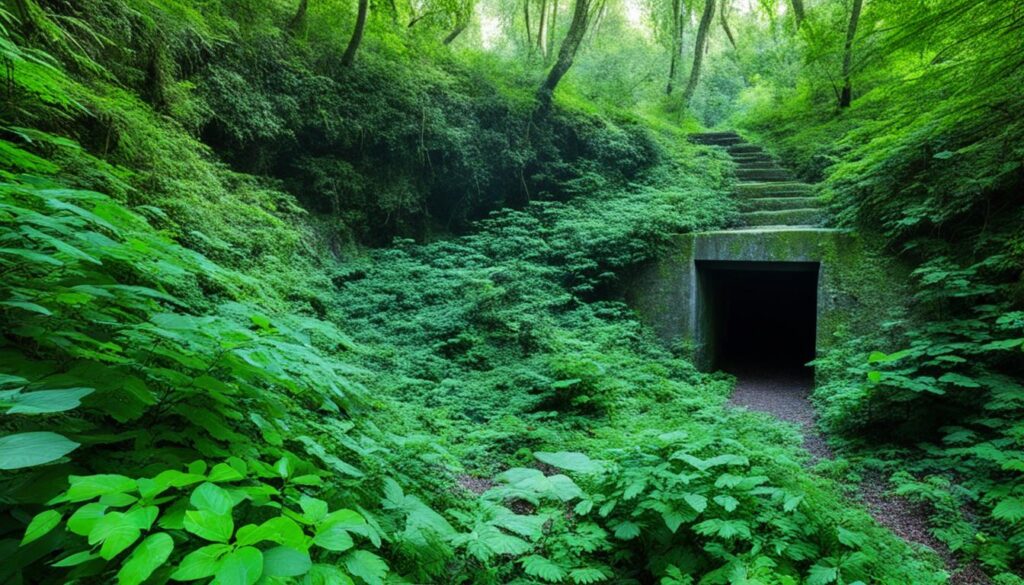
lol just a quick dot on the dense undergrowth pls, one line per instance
(933, 397)
(203, 379)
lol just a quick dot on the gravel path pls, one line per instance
(785, 394)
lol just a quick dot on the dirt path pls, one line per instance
(785, 395)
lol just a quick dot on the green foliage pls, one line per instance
(926, 161)
(161, 310)
(684, 507)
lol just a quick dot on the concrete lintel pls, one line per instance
(666, 292)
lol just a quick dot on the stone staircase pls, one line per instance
(769, 194)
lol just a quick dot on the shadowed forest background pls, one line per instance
(331, 291)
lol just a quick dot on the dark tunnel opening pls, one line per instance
(758, 316)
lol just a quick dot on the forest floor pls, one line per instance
(785, 395)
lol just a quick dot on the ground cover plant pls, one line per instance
(311, 292)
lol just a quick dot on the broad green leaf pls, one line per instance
(367, 566)
(146, 558)
(209, 525)
(241, 567)
(334, 538)
(283, 561)
(674, 519)
(959, 380)
(326, 575)
(77, 559)
(696, 501)
(313, 509)
(729, 503)
(634, 489)
(852, 538)
(211, 498)
(200, 563)
(31, 256)
(87, 487)
(116, 532)
(725, 529)
(223, 472)
(569, 461)
(47, 401)
(284, 465)
(143, 517)
(9, 381)
(85, 518)
(346, 519)
(27, 306)
(583, 507)
(281, 530)
(31, 449)
(627, 530)
(41, 525)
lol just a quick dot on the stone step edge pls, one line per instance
(751, 203)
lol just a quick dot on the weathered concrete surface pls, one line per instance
(666, 292)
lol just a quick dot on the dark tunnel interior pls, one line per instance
(758, 315)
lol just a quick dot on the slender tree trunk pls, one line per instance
(566, 53)
(698, 51)
(798, 11)
(526, 18)
(723, 14)
(416, 19)
(670, 86)
(455, 33)
(299, 19)
(553, 27)
(597, 17)
(357, 35)
(846, 96)
(542, 29)
(677, 43)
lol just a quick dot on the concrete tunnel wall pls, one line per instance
(666, 292)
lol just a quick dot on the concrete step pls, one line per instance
(746, 149)
(716, 138)
(782, 217)
(774, 189)
(751, 157)
(757, 165)
(713, 135)
(722, 142)
(764, 175)
(778, 203)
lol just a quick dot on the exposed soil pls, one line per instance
(476, 485)
(784, 394)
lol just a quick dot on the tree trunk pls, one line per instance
(526, 18)
(455, 33)
(698, 51)
(723, 13)
(798, 11)
(846, 96)
(552, 28)
(566, 53)
(542, 29)
(677, 44)
(357, 34)
(299, 18)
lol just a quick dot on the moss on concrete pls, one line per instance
(856, 283)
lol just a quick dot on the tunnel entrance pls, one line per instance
(757, 315)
